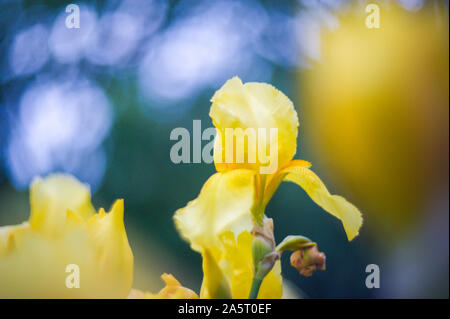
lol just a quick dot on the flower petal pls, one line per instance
(336, 205)
(253, 105)
(272, 285)
(224, 203)
(113, 252)
(51, 198)
(273, 181)
(172, 290)
(215, 284)
(237, 264)
(34, 256)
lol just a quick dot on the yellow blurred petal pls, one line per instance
(172, 290)
(8, 237)
(72, 219)
(34, 257)
(253, 105)
(114, 255)
(136, 294)
(170, 280)
(50, 199)
(224, 203)
(336, 205)
(383, 97)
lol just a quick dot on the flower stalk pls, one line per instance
(256, 284)
(264, 254)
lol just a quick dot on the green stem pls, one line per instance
(259, 216)
(256, 284)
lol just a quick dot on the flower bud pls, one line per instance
(263, 248)
(308, 260)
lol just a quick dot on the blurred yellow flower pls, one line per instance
(63, 230)
(377, 107)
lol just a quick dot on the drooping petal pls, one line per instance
(336, 205)
(273, 181)
(224, 203)
(253, 106)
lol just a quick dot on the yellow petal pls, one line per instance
(237, 263)
(224, 203)
(136, 294)
(10, 236)
(336, 205)
(273, 181)
(238, 257)
(215, 284)
(253, 105)
(51, 198)
(34, 257)
(113, 253)
(272, 285)
(172, 290)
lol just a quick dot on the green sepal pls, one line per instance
(295, 242)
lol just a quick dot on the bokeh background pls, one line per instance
(100, 101)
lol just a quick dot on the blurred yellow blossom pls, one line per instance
(376, 108)
(63, 230)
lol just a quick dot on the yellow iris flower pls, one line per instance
(260, 105)
(234, 199)
(63, 230)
